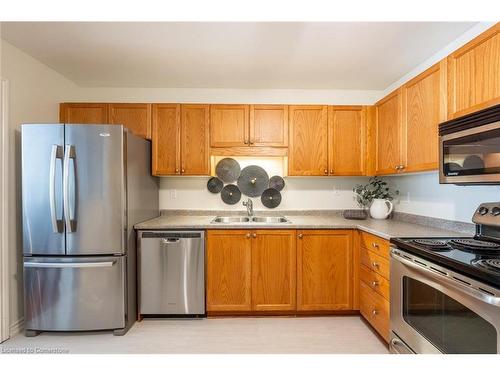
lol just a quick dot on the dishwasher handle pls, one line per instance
(170, 240)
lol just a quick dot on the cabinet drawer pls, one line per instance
(376, 244)
(375, 309)
(376, 282)
(375, 262)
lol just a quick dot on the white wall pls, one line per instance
(34, 93)
(421, 194)
(227, 96)
(318, 193)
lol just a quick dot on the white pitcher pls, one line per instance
(381, 208)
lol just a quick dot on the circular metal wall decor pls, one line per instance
(253, 181)
(228, 170)
(271, 198)
(215, 185)
(277, 182)
(230, 194)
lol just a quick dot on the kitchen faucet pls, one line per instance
(249, 205)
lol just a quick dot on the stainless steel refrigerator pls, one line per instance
(83, 189)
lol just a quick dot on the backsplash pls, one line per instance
(307, 193)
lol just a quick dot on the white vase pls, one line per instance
(381, 208)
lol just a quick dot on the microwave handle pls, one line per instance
(488, 298)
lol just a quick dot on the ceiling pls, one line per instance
(336, 55)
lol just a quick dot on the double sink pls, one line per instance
(251, 219)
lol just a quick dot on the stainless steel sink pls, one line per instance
(270, 219)
(231, 219)
(253, 219)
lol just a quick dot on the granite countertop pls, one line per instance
(383, 228)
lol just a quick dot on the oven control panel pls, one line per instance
(487, 214)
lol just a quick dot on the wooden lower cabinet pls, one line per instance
(229, 265)
(324, 270)
(375, 309)
(273, 270)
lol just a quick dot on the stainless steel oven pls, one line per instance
(435, 310)
(469, 149)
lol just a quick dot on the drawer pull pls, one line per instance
(247, 235)
(375, 244)
(301, 235)
(375, 264)
(374, 312)
(375, 283)
(254, 235)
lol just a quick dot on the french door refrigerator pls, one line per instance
(83, 189)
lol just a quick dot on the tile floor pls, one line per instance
(346, 334)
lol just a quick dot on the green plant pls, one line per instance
(374, 189)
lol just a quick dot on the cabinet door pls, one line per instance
(166, 139)
(135, 117)
(308, 152)
(83, 113)
(229, 270)
(424, 107)
(474, 74)
(273, 270)
(269, 125)
(229, 125)
(324, 270)
(194, 139)
(346, 141)
(388, 134)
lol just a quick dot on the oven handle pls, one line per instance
(489, 299)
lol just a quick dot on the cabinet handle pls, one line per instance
(375, 264)
(300, 235)
(245, 142)
(396, 167)
(374, 312)
(326, 171)
(254, 235)
(247, 235)
(375, 283)
(331, 171)
(183, 170)
(375, 244)
(176, 170)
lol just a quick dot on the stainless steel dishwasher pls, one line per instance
(172, 273)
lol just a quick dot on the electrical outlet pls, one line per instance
(173, 194)
(336, 191)
(405, 197)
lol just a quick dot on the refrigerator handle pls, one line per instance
(68, 265)
(69, 207)
(56, 153)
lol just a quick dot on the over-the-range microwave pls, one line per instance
(469, 149)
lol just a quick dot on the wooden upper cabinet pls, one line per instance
(346, 140)
(195, 159)
(308, 150)
(269, 125)
(229, 125)
(273, 270)
(388, 134)
(166, 139)
(474, 74)
(134, 116)
(83, 113)
(424, 107)
(324, 270)
(229, 270)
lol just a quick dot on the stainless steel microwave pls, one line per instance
(469, 149)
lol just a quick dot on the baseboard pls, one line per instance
(16, 327)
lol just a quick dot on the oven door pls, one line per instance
(471, 156)
(433, 313)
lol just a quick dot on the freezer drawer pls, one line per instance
(172, 273)
(74, 294)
